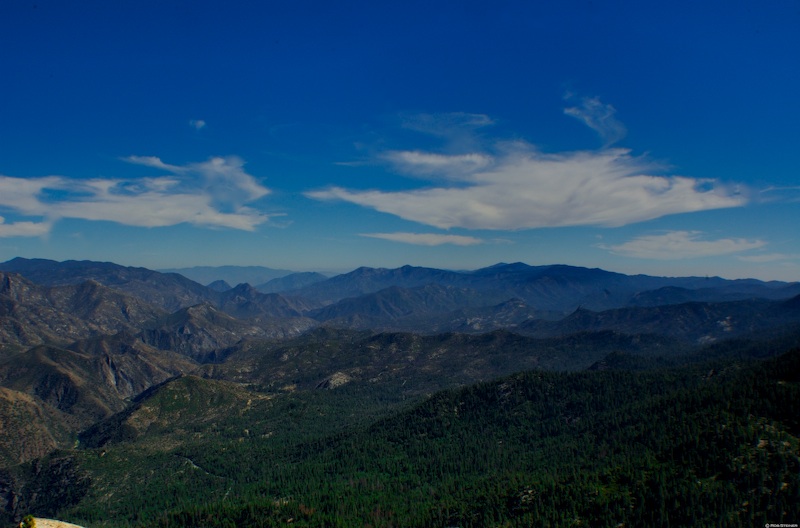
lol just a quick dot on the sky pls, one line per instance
(641, 137)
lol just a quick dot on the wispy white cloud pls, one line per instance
(461, 131)
(599, 117)
(155, 162)
(23, 229)
(197, 124)
(223, 182)
(25, 195)
(518, 187)
(676, 245)
(213, 193)
(426, 239)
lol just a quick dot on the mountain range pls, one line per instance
(411, 298)
(57, 303)
(89, 351)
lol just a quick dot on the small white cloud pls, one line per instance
(520, 188)
(599, 117)
(226, 176)
(213, 193)
(426, 239)
(676, 245)
(197, 124)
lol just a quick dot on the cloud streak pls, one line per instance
(599, 117)
(213, 193)
(447, 124)
(770, 257)
(520, 188)
(459, 130)
(432, 164)
(677, 245)
(426, 239)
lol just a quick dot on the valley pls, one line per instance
(512, 395)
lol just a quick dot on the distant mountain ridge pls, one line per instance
(170, 291)
(412, 298)
(555, 287)
(291, 282)
(230, 274)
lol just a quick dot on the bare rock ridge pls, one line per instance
(52, 523)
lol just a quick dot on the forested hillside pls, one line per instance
(706, 445)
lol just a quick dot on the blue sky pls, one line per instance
(640, 137)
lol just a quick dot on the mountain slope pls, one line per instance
(390, 306)
(73, 388)
(32, 314)
(31, 428)
(416, 364)
(246, 302)
(201, 332)
(172, 409)
(293, 281)
(694, 321)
